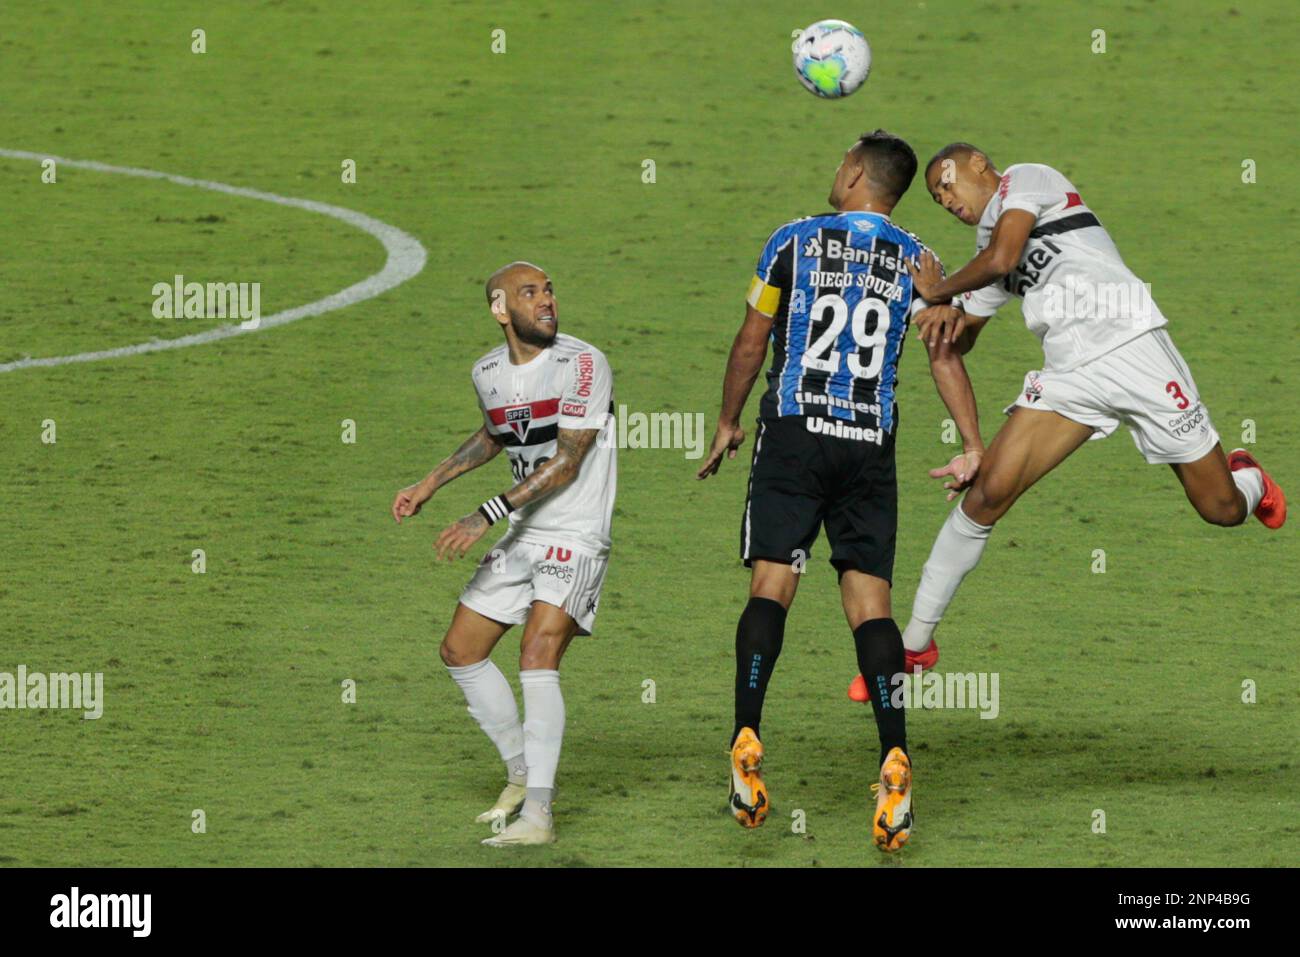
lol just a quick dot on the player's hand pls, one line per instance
(458, 537)
(940, 324)
(927, 274)
(726, 440)
(409, 501)
(960, 472)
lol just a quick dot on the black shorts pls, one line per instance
(800, 479)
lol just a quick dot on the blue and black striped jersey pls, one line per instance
(838, 289)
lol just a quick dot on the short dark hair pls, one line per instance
(889, 162)
(954, 149)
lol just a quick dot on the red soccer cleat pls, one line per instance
(927, 659)
(1272, 507)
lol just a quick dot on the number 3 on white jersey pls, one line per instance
(823, 356)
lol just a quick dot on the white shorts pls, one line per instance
(514, 574)
(1145, 384)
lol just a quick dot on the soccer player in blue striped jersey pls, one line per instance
(833, 295)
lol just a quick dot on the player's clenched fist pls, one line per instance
(457, 538)
(409, 502)
(726, 440)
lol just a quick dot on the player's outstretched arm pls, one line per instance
(571, 447)
(743, 365)
(999, 257)
(480, 447)
(958, 395)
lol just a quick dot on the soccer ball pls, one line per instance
(832, 58)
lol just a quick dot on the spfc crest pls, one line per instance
(518, 418)
(1033, 388)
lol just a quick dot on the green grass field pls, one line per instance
(1119, 691)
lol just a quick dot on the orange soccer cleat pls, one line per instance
(748, 799)
(1272, 507)
(891, 825)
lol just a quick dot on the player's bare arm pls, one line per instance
(949, 324)
(999, 257)
(479, 448)
(571, 447)
(954, 386)
(748, 351)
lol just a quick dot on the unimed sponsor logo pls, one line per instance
(839, 430)
(76, 909)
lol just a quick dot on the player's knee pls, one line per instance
(453, 657)
(542, 650)
(986, 502)
(775, 581)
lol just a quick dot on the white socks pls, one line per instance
(956, 551)
(1251, 484)
(543, 732)
(531, 751)
(492, 704)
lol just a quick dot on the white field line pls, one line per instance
(406, 257)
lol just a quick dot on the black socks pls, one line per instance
(879, 643)
(880, 658)
(758, 645)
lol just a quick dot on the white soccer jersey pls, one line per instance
(1079, 297)
(568, 385)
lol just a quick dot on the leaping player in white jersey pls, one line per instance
(546, 400)
(1107, 359)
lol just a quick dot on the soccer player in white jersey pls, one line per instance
(1107, 360)
(546, 399)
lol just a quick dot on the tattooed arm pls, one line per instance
(480, 447)
(571, 447)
